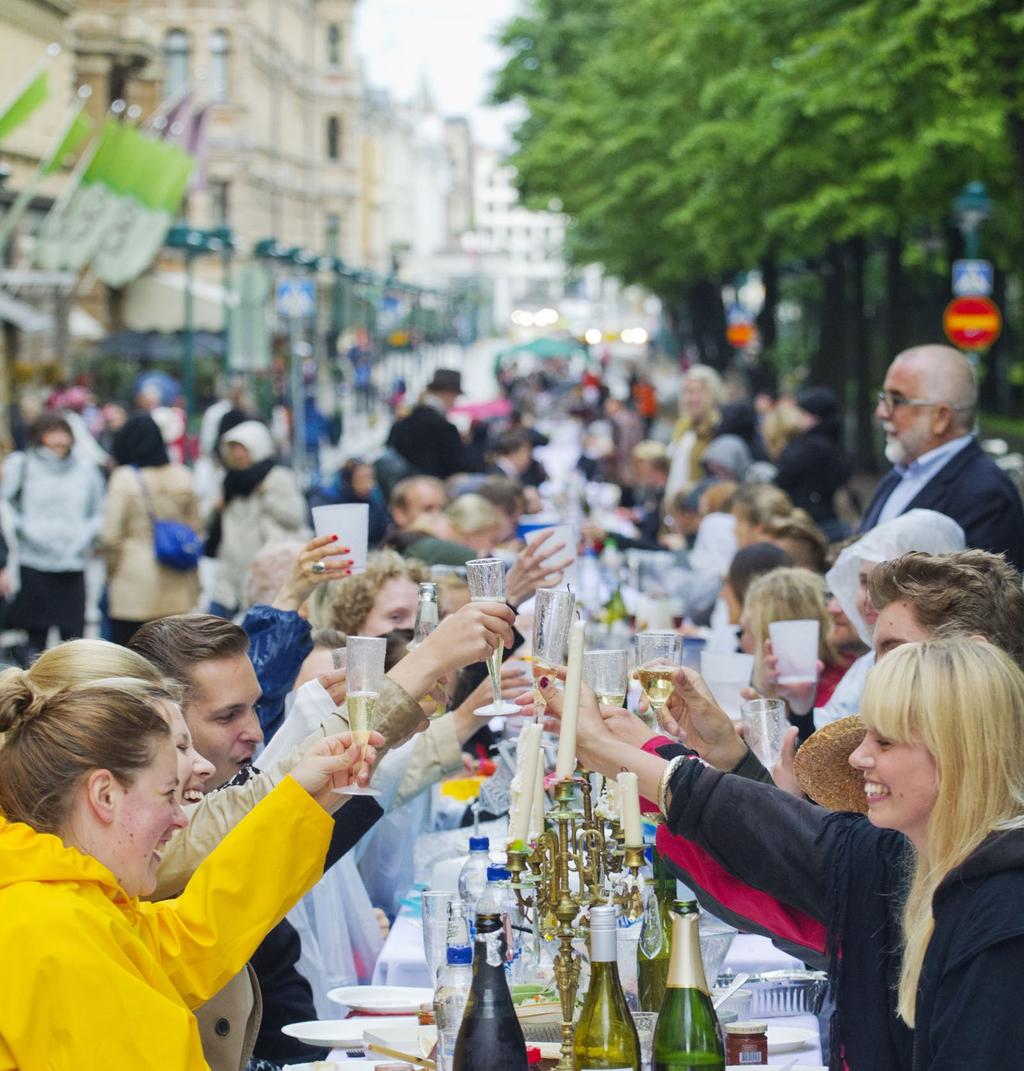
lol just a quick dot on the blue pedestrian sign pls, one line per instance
(296, 299)
(972, 278)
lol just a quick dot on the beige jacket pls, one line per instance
(141, 589)
(230, 1021)
(276, 510)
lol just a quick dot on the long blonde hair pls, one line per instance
(963, 700)
(787, 594)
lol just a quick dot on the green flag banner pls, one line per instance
(77, 131)
(25, 101)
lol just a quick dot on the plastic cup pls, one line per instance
(766, 723)
(350, 524)
(727, 675)
(795, 644)
(567, 536)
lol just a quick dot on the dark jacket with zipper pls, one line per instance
(839, 871)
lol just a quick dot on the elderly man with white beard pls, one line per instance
(927, 408)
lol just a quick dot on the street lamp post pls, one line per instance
(971, 208)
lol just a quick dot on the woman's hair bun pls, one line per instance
(20, 701)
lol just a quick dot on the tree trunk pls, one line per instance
(764, 376)
(707, 316)
(896, 297)
(862, 365)
(828, 366)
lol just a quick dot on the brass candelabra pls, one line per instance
(575, 842)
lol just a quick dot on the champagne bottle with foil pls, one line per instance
(490, 1038)
(656, 938)
(605, 1039)
(688, 1036)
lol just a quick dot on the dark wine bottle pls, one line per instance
(490, 1038)
(605, 1038)
(688, 1036)
(656, 938)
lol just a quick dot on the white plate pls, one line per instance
(788, 1039)
(388, 999)
(327, 1033)
(339, 1033)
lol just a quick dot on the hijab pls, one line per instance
(917, 529)
(256, 438)
(139, 442)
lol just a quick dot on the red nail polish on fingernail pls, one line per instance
(345, 550)
(545, 683)
(348, 572)
(334, 539)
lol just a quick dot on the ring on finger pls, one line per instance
(318, 568)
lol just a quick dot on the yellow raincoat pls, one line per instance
(94, 980)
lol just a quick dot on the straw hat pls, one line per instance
(823, 769)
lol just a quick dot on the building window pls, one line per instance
(220, 57)
(333, 45)
(220, 203)
(333, 138)
(332, 234)
(178, 63)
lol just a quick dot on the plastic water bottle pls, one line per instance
(498, 899)
(458, 933)
(473, 876)
(453, 985)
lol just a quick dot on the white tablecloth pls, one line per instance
(402, 962)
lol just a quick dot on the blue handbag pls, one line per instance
(175, 544)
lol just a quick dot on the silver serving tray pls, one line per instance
(780, 993)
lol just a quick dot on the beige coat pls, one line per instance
(276, 510)
(140, 588)
(230, 1021)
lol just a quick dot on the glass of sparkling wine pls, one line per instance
(552, 618)
(607, 672)
(486, 578)
(658, 656)
(365, 673)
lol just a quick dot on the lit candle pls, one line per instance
(565, 765)
(527, 760)
(629, 806)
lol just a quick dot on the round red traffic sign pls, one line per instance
(972, 323)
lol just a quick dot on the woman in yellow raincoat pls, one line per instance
(95, 979)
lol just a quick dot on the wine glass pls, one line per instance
(552, 618)
(434, 905)
(607, 672)
(486, 578)
(658, 656)
(365, 670)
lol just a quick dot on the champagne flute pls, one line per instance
(658, 656)
(486, 577)
(607, 672)
(365, 672)
(553, 616)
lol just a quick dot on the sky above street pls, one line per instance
(450, 42)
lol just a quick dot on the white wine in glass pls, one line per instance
(657, 684)
(658, 656)
(365, 671)
(607, 672)
(611, 699)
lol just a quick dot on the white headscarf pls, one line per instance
(254, 436)
(917, 529)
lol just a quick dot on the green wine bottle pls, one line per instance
(656, 938)
(687, 1037)
(606, 1038)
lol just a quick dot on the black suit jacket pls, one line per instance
(429, 442)
(976, 493)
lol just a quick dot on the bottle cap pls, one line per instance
(746, 1028)
(479, 844)
(602, 917)
(533, 1055)
(497, 873)
(460, 955)
(428, 590)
